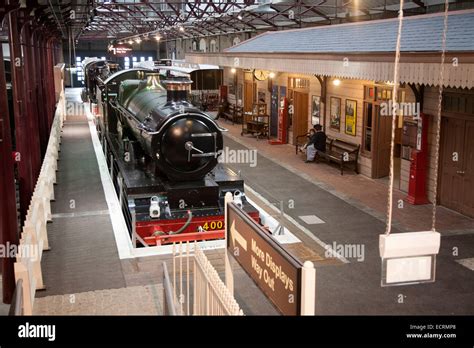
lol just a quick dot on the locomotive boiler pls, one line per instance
(183, 141)
(162, 153)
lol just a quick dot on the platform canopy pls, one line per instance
(363, 50)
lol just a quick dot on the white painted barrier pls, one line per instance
(197, 288)
(34, 236)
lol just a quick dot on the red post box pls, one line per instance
(282, 123)
(419, 165)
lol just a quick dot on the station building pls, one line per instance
(324, 70)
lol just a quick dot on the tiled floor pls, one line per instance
(135, 300)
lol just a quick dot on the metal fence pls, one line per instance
(197, 288)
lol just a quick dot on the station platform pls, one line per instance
(350, 210)
(84, 273)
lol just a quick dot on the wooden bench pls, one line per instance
(342, 152)
(337, 150)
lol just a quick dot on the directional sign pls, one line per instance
(276, 272)
(120, 50)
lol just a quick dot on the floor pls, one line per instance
(82, 256)
(353, 210)
(84, 274)
(366, 194)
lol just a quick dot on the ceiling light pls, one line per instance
(138, 40)
(233, 70)
(181, 29)
(336, 82)
(157, 38)
(265, 8)
(130, 42)
(240, 17)
(271, 75)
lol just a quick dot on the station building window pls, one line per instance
(202, 45)
(126, 62)
(213, 46)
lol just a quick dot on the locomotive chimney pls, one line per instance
(153, 82)
(178, 89)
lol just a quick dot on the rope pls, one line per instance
(438, 120)
(394, 116)
(394, 119)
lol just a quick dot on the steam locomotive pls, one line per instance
(162, 153)
(96, 70)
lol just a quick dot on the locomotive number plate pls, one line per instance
(213, 225)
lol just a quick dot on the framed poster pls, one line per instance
(335, 114)
(231, 89)
(315, 110)
(351, 117)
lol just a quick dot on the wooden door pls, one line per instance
(457, 165)
(382, 144)
(468, 170)
(248, 96)
(300, 116)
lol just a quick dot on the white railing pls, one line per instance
(207, 294)
(211, 296)
(34, 236)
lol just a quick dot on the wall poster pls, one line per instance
(351, 117)
(316, 110)
(335, 113)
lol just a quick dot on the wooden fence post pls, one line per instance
(229, 276)
(308, 288)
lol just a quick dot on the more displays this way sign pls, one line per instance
(276, 272)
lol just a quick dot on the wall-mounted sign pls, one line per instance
(275, 271)
(120, 50)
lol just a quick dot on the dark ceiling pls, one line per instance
(87, 20)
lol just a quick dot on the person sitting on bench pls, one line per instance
(317, 143)
(310, 134)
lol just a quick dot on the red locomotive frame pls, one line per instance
(146, 229)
